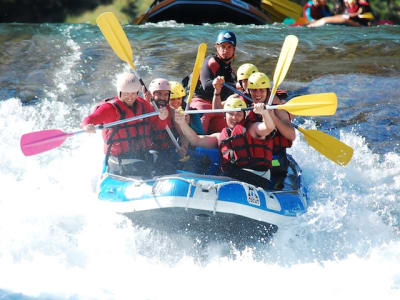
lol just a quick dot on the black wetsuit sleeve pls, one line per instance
(206, 79)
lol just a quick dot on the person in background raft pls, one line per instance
(213, 66)
(168, 155)
(243, 150)
(127, 145)
(259, 87)
(316, 9)
(353, 13)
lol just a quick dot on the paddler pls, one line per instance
(163, 143)
(316, 9)
(240, 147)
(214, 66)
(259, 87)
(127, 145)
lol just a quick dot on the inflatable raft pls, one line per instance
(185, 199)
(204, 11)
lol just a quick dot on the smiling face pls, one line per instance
(128, 98)
(161, 98)
(225, 50)
(234, 118)
(258, 95)
(175, 103)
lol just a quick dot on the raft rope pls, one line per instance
(196, 184)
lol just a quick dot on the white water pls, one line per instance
(57, 242)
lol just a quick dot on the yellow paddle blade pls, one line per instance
(328, 146)
(287, 8)
(285, 59)
(367, 15)
(324, 104)
(274, 14)
(201, 53)
(116, 37)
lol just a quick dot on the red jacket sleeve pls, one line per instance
(104, 114)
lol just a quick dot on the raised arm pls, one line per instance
(205, 141)
(217, 84)
(260, 130)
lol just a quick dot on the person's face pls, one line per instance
(348, 3)
(258, 95)
(233, 118)
(128, 98)
(244, 84)
(161, 98)
(175, 103)
(225, 50)
(321, 2)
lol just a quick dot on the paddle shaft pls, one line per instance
(237, 92)
(210, 111)
(119, 42)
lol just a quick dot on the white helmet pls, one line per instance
(128, 82)
(159, 84)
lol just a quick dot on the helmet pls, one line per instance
(258, 80)
(177, 90)
(245, 71)
(127, 82)
(226, 36)
(159, 84)
(234, 101)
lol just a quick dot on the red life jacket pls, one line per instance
(132, 138)
(160, 137)
(353, 8)
(279, 141)
(237, 147)
(316, 12)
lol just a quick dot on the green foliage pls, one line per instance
(39, 11)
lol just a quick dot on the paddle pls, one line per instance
(324, 104)
(201, 53)
(285, 7)
(327, 145)
(285, 59)
(367, 15)
(40, 141)
(117, 39)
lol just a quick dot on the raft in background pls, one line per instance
(216, 11)
(186, 201)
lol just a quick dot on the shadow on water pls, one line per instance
(198, 234)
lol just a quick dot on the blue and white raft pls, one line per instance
(186, 198)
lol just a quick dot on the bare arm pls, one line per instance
(260, 130)
(283, 124)
(217, 84)
(205, 141)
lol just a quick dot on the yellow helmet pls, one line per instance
(177, 90)
(234, 101)
(258, 80)
(245, 71)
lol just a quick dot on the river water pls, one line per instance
(57, 242)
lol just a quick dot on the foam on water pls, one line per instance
(59, 243)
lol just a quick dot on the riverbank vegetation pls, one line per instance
(86, 11)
